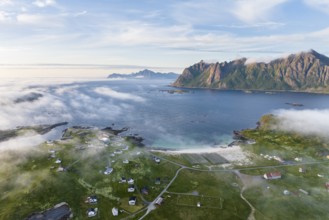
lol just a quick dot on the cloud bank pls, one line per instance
(308, 122)
(118, 95)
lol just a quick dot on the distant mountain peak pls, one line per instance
(145, 74)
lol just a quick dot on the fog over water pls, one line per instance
(195, 119)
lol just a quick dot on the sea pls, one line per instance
(191, 119)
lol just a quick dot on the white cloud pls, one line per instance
(5, 17)
(81, 13)
(6, 2)
(322, 5)
(309, 122)
(118, 95)
(44, 3)
(254, 10)
(39, 20)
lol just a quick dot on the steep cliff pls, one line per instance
(306, 71)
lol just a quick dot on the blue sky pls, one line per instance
(101, 36)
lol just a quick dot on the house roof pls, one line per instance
(133, 198)
(273, 174)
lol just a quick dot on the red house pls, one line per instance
(272, 175)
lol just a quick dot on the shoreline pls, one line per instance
(252, 90)
(231, 153)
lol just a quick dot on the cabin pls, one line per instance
(108, 170)
(132, 200)
(60, 169)
(198, 204)
(115, 211)
(157, 160)
(123, 180)
(157, 181)
(118, 151)
(159, 201)
(131, 181)
(58, 161)
(303, 191)
(125, 161)
(91, 199)
(272, 175)
(92, 212)
(131, 188)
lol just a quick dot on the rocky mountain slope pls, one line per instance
(306, 71)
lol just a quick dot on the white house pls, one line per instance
(159, 201)
(108, 170)
(58, 161)
(92, 212)
(132, 200)
(91, 199)
(157, 160)
(115, 211)
(123, 180)
(118, 151)
(125, 161)
(131, 181)
(131, 188)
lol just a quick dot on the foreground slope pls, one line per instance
(306, 71)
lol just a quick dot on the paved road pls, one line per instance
(151, 206)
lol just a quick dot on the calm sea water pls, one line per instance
(199, 117)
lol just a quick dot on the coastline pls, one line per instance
(253, 90)
(232, 153)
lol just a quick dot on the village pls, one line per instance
(99, 174)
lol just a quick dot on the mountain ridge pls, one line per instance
(305, 71)
(144, 74)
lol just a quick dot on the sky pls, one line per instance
(95, 38)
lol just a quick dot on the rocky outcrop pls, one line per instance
(306, 71)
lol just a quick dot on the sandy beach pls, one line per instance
(232, 154)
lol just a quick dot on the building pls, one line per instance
(123, 180)
(108, 170)
(272, 175)
(131, 188)
(60, 169)
(303, 191)
(92, 212)
(118, 151)
(198, 204)
(157, 181)
(115, 211)
(91, 199)
(159, 201)
(145, 190)
(125, 161)
(58, 161)
(132, 200)
(131, 181)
